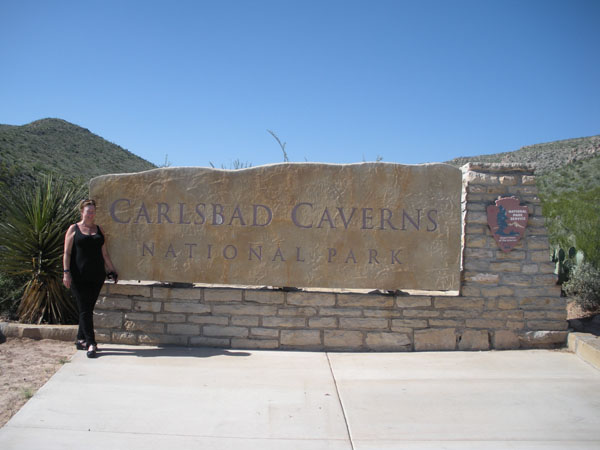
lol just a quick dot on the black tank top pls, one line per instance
(87, 263)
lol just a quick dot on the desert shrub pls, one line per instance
(584, 286)
(11, 291)
(31, 245)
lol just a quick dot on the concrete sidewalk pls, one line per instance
(135, 397)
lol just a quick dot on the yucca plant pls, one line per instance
(32, 229)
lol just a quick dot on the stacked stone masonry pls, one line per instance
(507, 300)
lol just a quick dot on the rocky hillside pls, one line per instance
(59, 147)
(544, 157)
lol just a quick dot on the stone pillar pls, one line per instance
(516, 299)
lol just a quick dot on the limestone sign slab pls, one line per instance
(507, 221)
(370, 225)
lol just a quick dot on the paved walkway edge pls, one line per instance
(586, 346)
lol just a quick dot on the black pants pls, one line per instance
(86, 293)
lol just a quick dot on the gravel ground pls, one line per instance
(25, 366)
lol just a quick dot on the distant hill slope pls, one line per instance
(572, 165)
(578, 176)
(57, 146)
(544, 157)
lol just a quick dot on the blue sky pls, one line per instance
(339, 81)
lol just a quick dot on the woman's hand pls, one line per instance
(67, 280)
(113, 276)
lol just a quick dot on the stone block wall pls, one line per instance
(507, 300)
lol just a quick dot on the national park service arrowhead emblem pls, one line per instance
(507, 220)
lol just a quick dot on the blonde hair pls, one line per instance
(86, 202)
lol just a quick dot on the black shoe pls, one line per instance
(91, 353)
(80, 345)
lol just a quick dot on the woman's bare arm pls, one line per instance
(67, 255)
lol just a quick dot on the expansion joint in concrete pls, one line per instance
(339, 397)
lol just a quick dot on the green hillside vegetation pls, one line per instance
(571, 204)
(54, 146)
(580, 175)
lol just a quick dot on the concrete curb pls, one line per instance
(586, 346)
(22, 330)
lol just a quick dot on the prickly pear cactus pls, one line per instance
(565, 262)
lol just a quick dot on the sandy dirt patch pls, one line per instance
(25, 366)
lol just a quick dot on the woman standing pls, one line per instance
(85, 261)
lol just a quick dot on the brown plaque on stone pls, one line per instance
(507, 220)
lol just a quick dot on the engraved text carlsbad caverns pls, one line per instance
(383, 226)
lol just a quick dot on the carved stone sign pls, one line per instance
(370, 225)
(507, 221)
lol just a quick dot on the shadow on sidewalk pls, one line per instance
(194, 352)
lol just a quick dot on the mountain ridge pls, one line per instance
(52, 145)
(56, 146)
